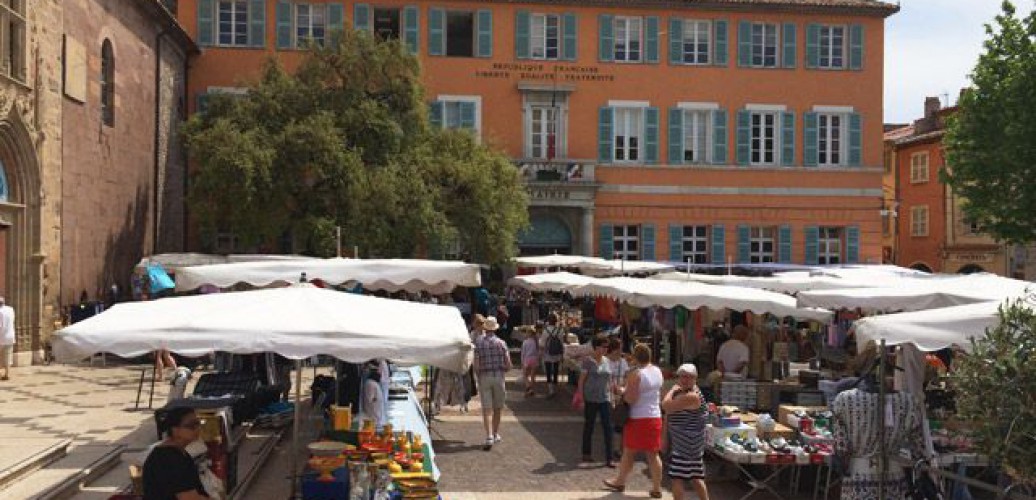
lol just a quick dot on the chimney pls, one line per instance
(931, 106)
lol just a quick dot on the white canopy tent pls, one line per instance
(790, 284)
(625, 267)
(918, 294)
(550, 282)
(933, 329)
(375, 274)
(175, 261)
(550, 261)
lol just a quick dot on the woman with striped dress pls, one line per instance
(685, 416)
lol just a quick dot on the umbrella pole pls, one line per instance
(295, 430)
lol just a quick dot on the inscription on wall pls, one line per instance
(541, 71)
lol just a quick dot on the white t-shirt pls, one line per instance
(732, 353)
(530, 350)
(373, 404)
(7, 325)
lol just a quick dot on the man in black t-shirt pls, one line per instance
(169, 471)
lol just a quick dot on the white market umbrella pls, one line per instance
(933, 329)
(919, 294)
(621, 267)
(549, 261)
(411, 275)
(550, 282)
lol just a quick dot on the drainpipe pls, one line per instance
(158, 116)
(186, 172)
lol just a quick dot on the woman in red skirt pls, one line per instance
(643, 429)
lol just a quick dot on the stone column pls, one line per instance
(588, 231)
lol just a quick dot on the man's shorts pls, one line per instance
(6, 355)
(491, 390)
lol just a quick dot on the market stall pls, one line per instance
(917, 294)
(932, 329)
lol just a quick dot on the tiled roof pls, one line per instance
(899, 133)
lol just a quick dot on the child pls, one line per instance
(531, 360)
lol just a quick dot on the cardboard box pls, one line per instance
(780, 430)
(784, 410)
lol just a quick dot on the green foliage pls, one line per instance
(345, 142)
(990, 148)
(996, 391)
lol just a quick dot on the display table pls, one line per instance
(758, 482)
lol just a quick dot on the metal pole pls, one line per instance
(295, 485)
(338, 241)
(882, 459)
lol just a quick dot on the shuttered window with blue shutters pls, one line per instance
(719, 245)
(570, 37)
(829, 246)
(257, 23)
(675, 136)
(810, 139)
(759, 45)
(744, 137)
(787, 138)
(812, 234)
(694, 41)
(855, 140)
(485, 33)
(206, 22)
(605, 38)
(285, 40)
(605, 141)
(606, 242)
(362, 17)
(675, 243)
(545, 36)
(651, 39)
(722, 43)
(626, 242)
(232, 23)
(719, 137)
(648, 232)
(689, 244)
(630, 129)
(852, 244)
(784, 240)
(744, 241)
(761, 244)
(411, 22)
(697, 134)
(789, 40)
(650, 135)
(460, 33)
(436, 32)
(456, 113)
(855, 47)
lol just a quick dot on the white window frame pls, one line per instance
(919, 220)
(759, 44)
(697, 124)
(631, 119)
(918, 168)
(622, 238)
(626, 23)
(311, 8)
(234, 12)
(699, 236)
(829, 246)
(694, 57)
(758, 237)
(826, 136)
(12, 45)
(756, 143)
(540, 38)
(447, 99)
(827, 54)
(539, 100)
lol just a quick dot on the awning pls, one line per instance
(918, 294)
(933, 329)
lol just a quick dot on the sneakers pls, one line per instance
(488, 444)
(497, 438)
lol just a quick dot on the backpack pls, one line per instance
(554, 345)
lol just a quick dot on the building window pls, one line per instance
(458, 112)
(764, 45)
(919, 221)
(233, 23)
(544, 132)
(629, 128)
(545, 36)
(832, 47)
(697, 136)
(829, 246)
(972, 227)
(919, 168)
(107, 84)
(762, 245)
(764, 138)
(460, 34)
(310, 24)
(12, 38)
(697, 41)
(626, 242)
(387, 23)
(830, 139)
(628, 33)
(696, 244)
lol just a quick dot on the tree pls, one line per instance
(996, 391)
(991, 153)
(345, 142)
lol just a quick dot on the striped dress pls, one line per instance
(687, 443)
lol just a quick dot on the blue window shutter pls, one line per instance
(719, 137)
(522, 27)
(485, 33)
(284, 24)
(604, 135)
(790, 46)
(257, 23)
(744, 44)
(436, 31)
(206, 26)
(335, 21)
(675, 136)
(202, 103)
(411, 21)
(651, 39)
(435, 114)
(362, 16)
(719, 244)
(744, 240)
(467, 115)
(605, 38)
(650, 135)
(675, 243)
(787, 138)
(810, 139)
(570, 31)
(812, 45)
(647, 247)
(605, 246)
(812, 238)
(744, 136)
(722, 43)
(675, 40)
(856, 46)
(784, 243)
(852, 244)
(855, 140)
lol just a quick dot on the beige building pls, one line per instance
(91, 96)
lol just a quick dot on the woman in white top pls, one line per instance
(643, 429)
(531, 361)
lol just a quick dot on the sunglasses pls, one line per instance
(192, 425)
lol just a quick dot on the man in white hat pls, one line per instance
(7, 338)
(492, 361)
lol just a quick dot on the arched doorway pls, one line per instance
(547, 234)
(970, 269)
(921, 266)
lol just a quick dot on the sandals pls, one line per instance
(615, 487)
(656, 494)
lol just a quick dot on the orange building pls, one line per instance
(710, 131)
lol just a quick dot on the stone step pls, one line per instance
(20, 457)
(63, 478)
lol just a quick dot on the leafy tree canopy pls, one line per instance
(345, 142)
(991, 151)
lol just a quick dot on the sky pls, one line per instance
(930, 48)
